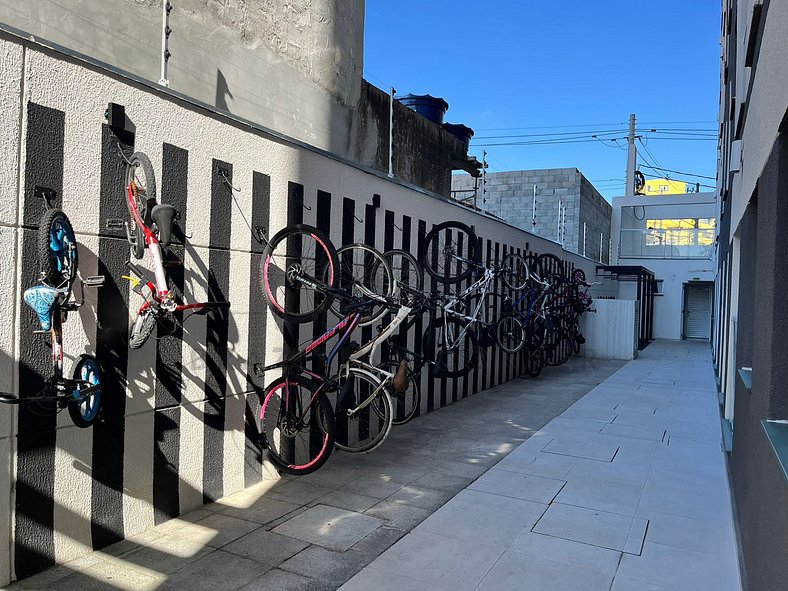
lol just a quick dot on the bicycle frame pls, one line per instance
(161, 291)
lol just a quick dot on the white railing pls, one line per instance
(684, 243)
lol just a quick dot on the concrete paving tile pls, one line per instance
(109, 575)
(538, 464)
(398, 515)
(417, 496)
(617, 470)
(216, 530)
(444, 482)
(512, 571)
(372, 578)
(622, 583)
(590, 526)
(478, 522)
(602, 414)
(636, 537)
(265, 547)
(590, 448)
(342, 499)
(281, 580)
(327, 565)
(377, 542)
(442, 562)
(613, 496)
(563, 424)
(264, 510)
(635, 407)
(519, 486)
(567, 552)
(298, 493)
(167, 554)
(705, 536)
(218, 571)
(373, 486)
(680, 569)
(329, 527)
(640, 432)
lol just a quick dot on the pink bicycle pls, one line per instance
(150, 227)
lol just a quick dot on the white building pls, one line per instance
(673, 236)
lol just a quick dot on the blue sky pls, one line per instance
(523, 68)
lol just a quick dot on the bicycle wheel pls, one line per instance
(299, 262)
(405, 268)
(297, 425)
(367, 428)
(84, 410)
(142, 326)
(366, 275)
(451, 347)
(142, 182)
(405, 404)
(450, 252)
(515, 271)
(550, 267)
(558, 350)
(510, 333)
(57, 251)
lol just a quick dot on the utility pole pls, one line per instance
(484, 180)
(391, 133)
(632, 157)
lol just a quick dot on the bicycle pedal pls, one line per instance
(115, 224)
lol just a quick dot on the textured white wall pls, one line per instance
(83, 94)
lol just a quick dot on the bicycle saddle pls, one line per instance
(163, 215)
(42, 299)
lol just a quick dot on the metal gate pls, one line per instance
(697, 311)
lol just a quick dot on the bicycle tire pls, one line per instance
(510, 333)
(363, 270)
(550, 267)
(58, 254)
(450, 358)
(515, 271)
(84, 412)
(143, 324)
(450, 252)
(294, 250)
(144, 191)
(405, 268)
(369, 428)
(558, 352)
(297, 448)
(405, 405)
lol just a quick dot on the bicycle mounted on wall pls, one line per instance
(52, 300)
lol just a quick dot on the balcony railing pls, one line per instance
(684, 243)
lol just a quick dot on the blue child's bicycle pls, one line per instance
(52, 300)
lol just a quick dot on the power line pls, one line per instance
(711, 178)
(656, 176)
(565, 133)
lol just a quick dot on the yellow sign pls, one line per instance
(664, 187)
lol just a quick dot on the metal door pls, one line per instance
(697, 311)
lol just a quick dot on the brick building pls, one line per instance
(529, 199)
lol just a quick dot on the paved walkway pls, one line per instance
(627, 487)
(626, 490)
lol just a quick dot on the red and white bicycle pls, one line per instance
(150, 227)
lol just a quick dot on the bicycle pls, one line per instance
(150, 227)
(298, 429)
(52, 301)
(449, 255)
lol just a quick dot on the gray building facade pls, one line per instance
(530, 199)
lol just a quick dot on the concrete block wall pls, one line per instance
(510, 195)
(179, 426)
